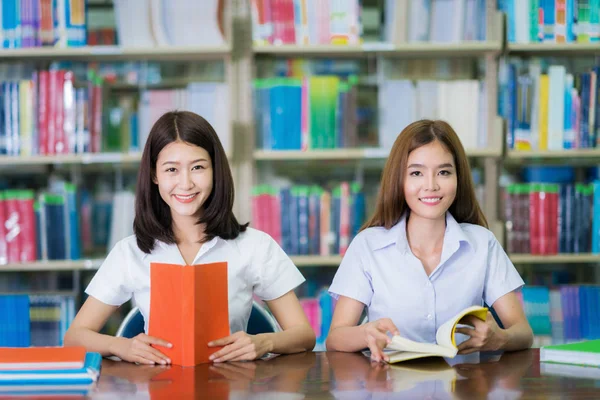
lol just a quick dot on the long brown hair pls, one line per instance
(391, 202)
(152, 215)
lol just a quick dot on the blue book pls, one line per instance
(596, 90)
(294, 222)
(278, 114)
(285, 199)
(314, 215)
(293, 99)
(357, 210)
(303, 220)
(54, 209)
(596, 218)
(567, 218)
(79, 376)
(584, 129)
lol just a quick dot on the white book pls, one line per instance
(419, 20)
(190, 22)
(522, 21)
(133, 32)
(556, 107)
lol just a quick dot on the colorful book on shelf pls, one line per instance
(87, 371)
(580, 353)
(403, 349)
(189, 308)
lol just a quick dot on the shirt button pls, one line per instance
(428, 283)
(429, 316)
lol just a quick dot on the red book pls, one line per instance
(51, 113)
(59, 116)
(43, 90)
(553, 196)
(189, 307)
(3, 255)
(21, 358)
(12, 226)
(27, 217)
(534, 219)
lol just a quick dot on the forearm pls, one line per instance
(293, 340)
(347, 338)
(518, 337)
(92, 341)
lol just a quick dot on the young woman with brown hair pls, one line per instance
(425, 255)
(183, 215)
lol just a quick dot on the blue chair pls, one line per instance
(260, 322)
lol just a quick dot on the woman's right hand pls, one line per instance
(140, 349)
(377, 338)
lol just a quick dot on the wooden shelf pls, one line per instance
(417, 49)
(88, 158)
(345, 154)
(570, 49)
(584, 258)
(317, 261)
(100, 53)
(577, 156)
(54, 265)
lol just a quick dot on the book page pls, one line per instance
(445, 333)
(400, 343)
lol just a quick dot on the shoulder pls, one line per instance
(251, 239)
(480, 237)
(376, 237)
(128, 248)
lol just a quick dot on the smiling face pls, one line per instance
(184, 176)
(430, 183)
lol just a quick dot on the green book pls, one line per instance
(581, 353)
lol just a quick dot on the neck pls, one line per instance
(186, 229)
(426, 235)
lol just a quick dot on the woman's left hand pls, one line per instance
(240, 347)
(484, 335)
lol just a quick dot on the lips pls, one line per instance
(430, 201)
(185, 198)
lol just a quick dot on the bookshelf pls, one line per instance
(425, 49)
(574, 156)
(347, 154)
(552, 49)
(53, 265)
(114, 53)
(84, 159)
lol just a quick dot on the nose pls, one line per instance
(432, 183)
(185, 180)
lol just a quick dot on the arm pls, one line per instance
(517, 332)
(345, 335)
(91, 318)
(297, 334)
(488, 336)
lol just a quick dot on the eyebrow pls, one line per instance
(447, 165)
(177, 162)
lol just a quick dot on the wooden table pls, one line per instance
(350, 376)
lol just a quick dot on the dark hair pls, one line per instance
(152, 215)
(391, 203)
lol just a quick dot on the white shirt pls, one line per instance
(255, 264)
(380, 271)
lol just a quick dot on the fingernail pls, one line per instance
(170, 345)
(210, 343)
(168, 361)
(211, 357)
(163, 362)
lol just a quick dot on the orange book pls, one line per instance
(32, 358)
(189, 307)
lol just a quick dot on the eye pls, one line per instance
(197, 167)
(416, 173)
(445, 172)
(170, 169)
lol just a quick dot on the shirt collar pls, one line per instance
(454, 235)
(174, 252)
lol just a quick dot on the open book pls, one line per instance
(189, 307)
(402, 349)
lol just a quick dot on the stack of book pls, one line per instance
(44, 371)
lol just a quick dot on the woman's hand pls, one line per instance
(377, 339)
(140, 349)
(240, 347)
(484, 335)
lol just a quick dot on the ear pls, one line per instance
(154, 179)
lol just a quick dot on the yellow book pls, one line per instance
(403, 349)
(543, 121)
(25, 117)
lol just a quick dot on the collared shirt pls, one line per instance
(255, 264)
(380, 270)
